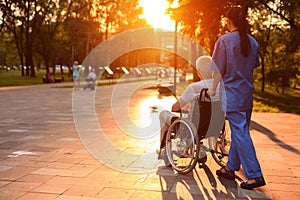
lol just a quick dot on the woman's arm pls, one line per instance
(217, 78)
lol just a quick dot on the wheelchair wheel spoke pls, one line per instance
(222, 147)
(181, 146)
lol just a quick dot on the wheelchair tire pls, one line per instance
(182, 145)
(222, 146)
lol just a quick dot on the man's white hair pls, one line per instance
(202, 65)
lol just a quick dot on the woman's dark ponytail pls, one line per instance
(238, 18)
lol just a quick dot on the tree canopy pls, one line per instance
(56, 32)
(275, 24)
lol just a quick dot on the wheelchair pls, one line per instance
(184, 146)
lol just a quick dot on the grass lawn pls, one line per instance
(269, 101)
(14, 78)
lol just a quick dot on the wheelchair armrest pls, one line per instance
(182, 111)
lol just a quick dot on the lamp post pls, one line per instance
(74, 38)
(175, 56)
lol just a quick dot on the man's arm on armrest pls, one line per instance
(178, 105)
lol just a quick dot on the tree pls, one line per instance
(24, 19)
(59, 31)
(119, 15)
(202, 19)
(277, 31)
(49, 43)
(129, 12)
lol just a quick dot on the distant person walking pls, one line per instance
(234, 58)
(76, 75)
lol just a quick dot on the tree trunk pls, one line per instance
(262, 72)
(29, 62)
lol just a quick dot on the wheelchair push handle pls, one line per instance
(204, 95)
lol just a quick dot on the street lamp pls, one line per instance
(175, 56)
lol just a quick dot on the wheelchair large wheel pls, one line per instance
(181, 146)
(222, 145)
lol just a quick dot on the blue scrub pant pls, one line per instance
(241, 149)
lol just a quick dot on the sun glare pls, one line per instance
(154, 13)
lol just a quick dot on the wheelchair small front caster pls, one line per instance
(202, 161)
(201, 165)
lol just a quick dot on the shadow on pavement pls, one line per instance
(192, 185)
(272, 136)
(229, 185)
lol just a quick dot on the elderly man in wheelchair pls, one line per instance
(181, 138)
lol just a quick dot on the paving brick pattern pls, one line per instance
(43, 154)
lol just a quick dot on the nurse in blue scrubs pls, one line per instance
(235, 57)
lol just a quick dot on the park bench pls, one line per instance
(56, 80)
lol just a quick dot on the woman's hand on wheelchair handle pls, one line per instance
(211, 93)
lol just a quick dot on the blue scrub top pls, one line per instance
(76, 71)
(237, 71)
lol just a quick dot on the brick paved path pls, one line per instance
(60, 144)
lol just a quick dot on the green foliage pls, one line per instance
(275, 24)
(270, 101)
(282, 77)
(53, 32)
(201, 20)
(14, 78)
(58, 32)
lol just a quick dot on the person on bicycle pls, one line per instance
(234, 58)
(166, 117)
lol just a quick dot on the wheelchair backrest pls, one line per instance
(207, 116)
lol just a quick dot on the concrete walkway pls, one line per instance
(86, 145)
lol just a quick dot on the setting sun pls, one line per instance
(154, 13)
